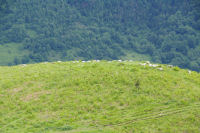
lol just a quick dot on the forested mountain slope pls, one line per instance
(163, 31)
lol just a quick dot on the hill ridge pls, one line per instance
(94, 96)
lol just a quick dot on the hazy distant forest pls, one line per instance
(162, 31)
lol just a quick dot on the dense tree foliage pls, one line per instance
(166, 30)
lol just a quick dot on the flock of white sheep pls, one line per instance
(147, 63)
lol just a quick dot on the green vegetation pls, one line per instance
(11, 52)
(98, 97)
(165, 31)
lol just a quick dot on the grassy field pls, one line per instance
(98, 97)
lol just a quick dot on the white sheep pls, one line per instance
(189, 71)
(23, 65)
(153, 65)
(147, 62)
(161, 69)
(143, 64)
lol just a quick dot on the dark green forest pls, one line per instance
(163, 31)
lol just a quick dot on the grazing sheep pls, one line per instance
(59, 61)
(147, 62)
(120, 60)
(75, 61)
(153, 65)
(170, 66)
(143, 64)
(161, 69)
(23, 65)
(189, 71)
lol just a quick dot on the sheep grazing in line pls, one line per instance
(59, 61)
(150, 65)
(83, 61)
(89, 61)
(130, 60)
(153, 65)
(119, 60)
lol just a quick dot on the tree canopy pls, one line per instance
(167, 31)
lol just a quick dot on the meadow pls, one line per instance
(98, 97)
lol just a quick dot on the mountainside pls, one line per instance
(163, 31)
(98, 96)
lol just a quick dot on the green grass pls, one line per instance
(98, 97)
(31, 33)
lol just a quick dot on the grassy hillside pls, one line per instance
(100, 97)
